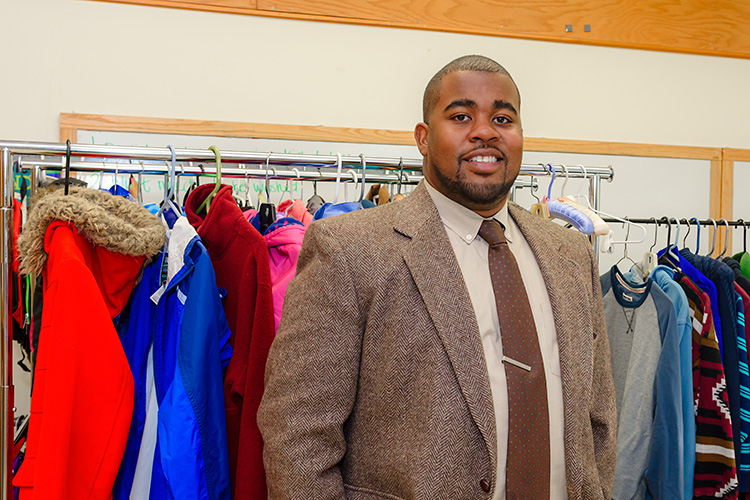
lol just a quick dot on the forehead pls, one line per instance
(481, 87)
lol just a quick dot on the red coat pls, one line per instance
(240, 258)
(83, 389)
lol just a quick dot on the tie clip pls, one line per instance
(516, 363)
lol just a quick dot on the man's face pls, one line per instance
(473, 144)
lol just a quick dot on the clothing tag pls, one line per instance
(628, 297)
(156, 296)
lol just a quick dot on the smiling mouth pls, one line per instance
(484, 159)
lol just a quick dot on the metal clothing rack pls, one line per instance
(705, 223)
(150, 160)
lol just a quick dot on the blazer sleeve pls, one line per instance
(602, 408)
(311, 374)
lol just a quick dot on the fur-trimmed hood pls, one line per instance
(105, 220)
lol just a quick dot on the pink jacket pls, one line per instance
(284, 239)
(296, 209)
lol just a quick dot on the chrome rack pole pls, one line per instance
(6, 366)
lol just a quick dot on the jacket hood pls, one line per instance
(112, 222)
(223, 197)
(285, 231)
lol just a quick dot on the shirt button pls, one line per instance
(485, 485)
(468, 236)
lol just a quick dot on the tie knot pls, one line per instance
(492, 232)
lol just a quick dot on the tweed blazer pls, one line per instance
(376, 384)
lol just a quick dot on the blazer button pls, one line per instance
(485, 485)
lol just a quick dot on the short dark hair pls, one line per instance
(464, 63)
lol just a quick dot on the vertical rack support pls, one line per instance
(6, 367)
(595, 187)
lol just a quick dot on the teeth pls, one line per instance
(484, 159)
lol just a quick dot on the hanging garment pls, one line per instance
(715, 468)
(177, 341)
(330, 210)
(739, 278)
(296, 209)
(672, 258)
(738, 382)
(644, 347)
(89, 246)
(240, 258)
(744, 259)
(378, 194)
(284, 239)
(663, 276)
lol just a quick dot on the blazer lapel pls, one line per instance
(435, 270)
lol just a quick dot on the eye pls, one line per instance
(502, 119)
(460, 117)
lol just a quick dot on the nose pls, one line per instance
(483, 131)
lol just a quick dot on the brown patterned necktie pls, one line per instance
(527, 470)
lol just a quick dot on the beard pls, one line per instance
(474, 195)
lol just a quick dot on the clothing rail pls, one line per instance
(671, 220)
(349, 175)
(12, 150)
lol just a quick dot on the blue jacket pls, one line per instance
(176, 311)
(664, 277)
(738, 383)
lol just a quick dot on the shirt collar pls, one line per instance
(464, 221)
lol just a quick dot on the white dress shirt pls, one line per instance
(462, 226)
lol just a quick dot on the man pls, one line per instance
(414, 362)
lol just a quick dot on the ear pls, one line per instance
(420, 137)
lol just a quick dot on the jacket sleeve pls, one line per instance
(311, 374)
(602, 409)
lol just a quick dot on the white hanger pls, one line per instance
(338, 177)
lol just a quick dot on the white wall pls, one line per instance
(107, 58)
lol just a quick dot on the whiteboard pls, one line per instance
(153, 186)
(642, 187)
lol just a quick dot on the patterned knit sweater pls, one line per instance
(715, 469)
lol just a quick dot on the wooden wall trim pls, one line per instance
(233, 129)
(689, 26)
(736, 154)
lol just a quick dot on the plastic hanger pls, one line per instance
(354, 180)
(338, 178)
(697, 236)
(296, 178)
(400, 174)
(677, 234)
(194, 184)
(140, 183)
(726, 239)
(744, 235)
(713, 241)
(168, 191)
(364, 173)
(267, 211)
(608, 241)
(299, 179)
(601, 228)
(625, 251)
(650, 259)
(560, 210)
(684, 238)
(247, 189)
(67, 166)
(207, 202)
